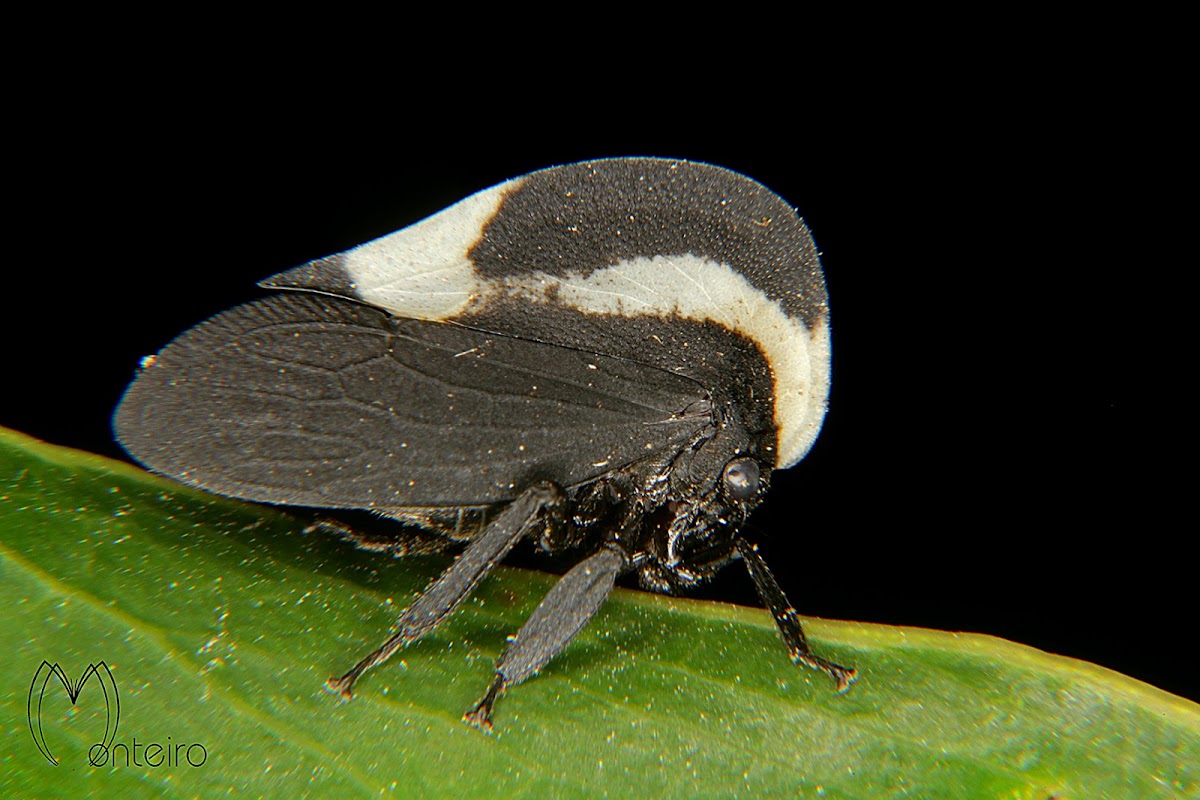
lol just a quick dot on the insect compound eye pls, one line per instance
(742, 476)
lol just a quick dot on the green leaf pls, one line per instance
(221, 621)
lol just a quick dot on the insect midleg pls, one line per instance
(460, 579)
(786, 618)
(563, 612)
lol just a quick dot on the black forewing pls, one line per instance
(311, 400)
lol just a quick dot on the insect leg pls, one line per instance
(460, 579)
(562, 613)
(786, 618)
(406, 542)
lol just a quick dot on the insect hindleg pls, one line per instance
(400, 544)
(460, 579)
(786, 618)
(562, 613)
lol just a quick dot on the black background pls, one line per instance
(995, 457)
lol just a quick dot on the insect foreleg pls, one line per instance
(563, 612)
(786, 618)
(519, 519)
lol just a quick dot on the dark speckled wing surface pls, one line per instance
(309, 400)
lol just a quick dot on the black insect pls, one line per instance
(610, 356)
